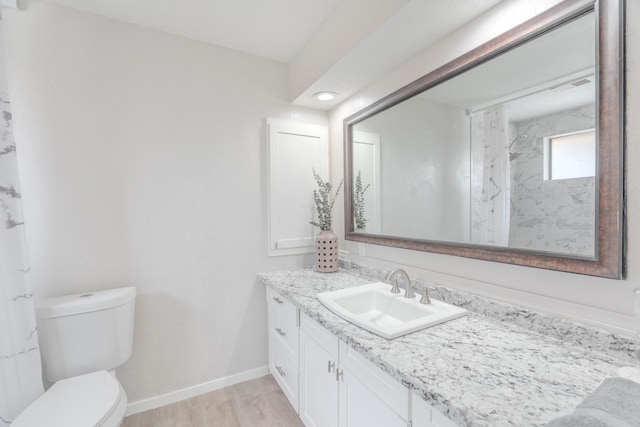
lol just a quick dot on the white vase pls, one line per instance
(326, 251)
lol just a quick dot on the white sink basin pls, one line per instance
(374, 308)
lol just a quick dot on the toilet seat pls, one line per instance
(90, 400)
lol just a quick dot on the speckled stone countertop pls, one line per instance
(499, 365)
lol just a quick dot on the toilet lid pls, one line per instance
(85, 400)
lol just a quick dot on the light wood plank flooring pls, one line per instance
(255, 403)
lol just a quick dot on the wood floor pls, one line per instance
(255, 403)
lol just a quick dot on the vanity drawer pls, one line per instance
(283, 323)
(284, 371)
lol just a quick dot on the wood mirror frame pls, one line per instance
(609, 259)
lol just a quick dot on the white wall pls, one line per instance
(434, 157)
(142, 159)
(602, 302)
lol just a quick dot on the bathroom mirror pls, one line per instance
(512, 152)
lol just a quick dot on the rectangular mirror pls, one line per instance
(510, 153)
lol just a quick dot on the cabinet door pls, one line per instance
(438, 419)
(424, 415)
(421, 412)
(318, 387)
(387, 389)
(359, 407)
(294, 150)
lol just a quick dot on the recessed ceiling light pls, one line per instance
(324, 96)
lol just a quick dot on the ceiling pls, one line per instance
(378, 35)
(534, 79)
(274, 29)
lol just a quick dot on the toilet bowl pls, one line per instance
(83, 338)
(90, 400)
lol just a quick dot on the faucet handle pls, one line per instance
(425, 295)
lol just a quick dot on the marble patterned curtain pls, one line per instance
(495, 203)
(20, 369)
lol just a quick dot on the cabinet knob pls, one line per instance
(281, 371)
(339, 375)
(281, 332)
(330, 366)
(278, 300)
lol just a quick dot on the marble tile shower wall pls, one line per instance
(554, 215)
(545, 215)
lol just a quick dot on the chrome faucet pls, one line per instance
(391, 276)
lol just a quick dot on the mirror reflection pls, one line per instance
(503, 154)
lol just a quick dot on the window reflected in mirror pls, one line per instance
(571, 155)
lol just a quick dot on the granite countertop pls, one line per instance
(499, 365)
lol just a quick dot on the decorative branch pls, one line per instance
(358, 202)
(324, 202)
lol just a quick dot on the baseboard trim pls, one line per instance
(196, 390)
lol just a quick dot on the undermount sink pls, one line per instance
(374, 308)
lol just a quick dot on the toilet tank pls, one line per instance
(86, 332)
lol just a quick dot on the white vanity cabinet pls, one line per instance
(329, 384)
(339, 387)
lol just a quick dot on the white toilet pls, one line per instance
(82, 337)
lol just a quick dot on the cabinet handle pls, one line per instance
(278, 300)
(281, 371)
(339, 375)
(331, 365)
(281, 332)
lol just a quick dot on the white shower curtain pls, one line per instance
(20, 371)
(495, 209)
